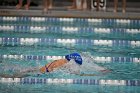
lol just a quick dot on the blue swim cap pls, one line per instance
(77, 58)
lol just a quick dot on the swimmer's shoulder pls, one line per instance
(61, 61)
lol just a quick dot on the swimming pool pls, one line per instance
(33, 41)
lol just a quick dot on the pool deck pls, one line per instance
(63, 12)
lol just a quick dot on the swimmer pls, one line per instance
(53, 66)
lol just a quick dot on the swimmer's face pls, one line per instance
(42, 69)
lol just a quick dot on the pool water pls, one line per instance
(66, 88)
(27, 42)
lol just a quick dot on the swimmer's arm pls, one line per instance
(103, 72)
(20, 74)
(82, 74)
(14, 75)
(6, 75)
(35, 69)
(86, 74)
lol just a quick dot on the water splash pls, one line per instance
(88, 67)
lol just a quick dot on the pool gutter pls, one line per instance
(70, 13)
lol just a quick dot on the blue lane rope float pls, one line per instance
(68, 30)
(48, 41)
(52, 19)
(95, 58)
(70, 81)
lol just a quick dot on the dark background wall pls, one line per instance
(56, 2)
(126, 0)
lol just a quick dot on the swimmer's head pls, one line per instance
(76, 57)
(78, 62)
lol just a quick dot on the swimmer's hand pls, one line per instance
(87, 74)
(83, 74)
(105, 71)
